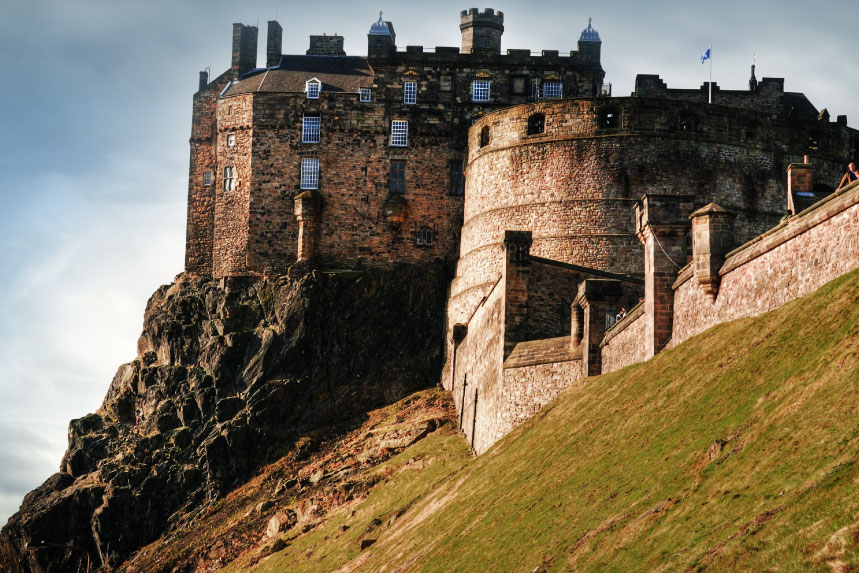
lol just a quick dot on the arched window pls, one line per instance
(536, 124)
(424, 237)
(484, 136)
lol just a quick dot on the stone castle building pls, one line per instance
(558, 202)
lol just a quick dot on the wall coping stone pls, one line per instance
(544, 351)
(579, 268)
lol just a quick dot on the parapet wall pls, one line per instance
(793, 259)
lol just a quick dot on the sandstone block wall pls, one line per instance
(791, 260)
(528, 389)
(623, 343)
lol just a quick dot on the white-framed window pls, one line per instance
(207, 178)
(312, 88)
(310, 129)
(552, 90)
(399, 133)
(231, 140)
(410, 92)
(309, 173)
(365, 95)
(229, 178)
(480, 90)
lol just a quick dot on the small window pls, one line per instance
(610, 118)
(424, 237)
(398, 176)
(365, 95)
(309, 173)
(399, 133)
(536, 124)
(480, 90)
(410, 92)
(310, 130)
(207, 178)
(231, 140)
(457, 179)
(313, 87)
(552, 90)
(484, 136)
(229, 178)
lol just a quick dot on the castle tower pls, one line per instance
(381, 40)
(589, 45)
(481, 31)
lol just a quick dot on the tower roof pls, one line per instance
(380, 28)
(589, 34)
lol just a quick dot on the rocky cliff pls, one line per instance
(230, 376)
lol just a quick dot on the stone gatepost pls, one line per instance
(597, 298)
(307, 211)
(712, 239)
(517, 268)
(661, 224)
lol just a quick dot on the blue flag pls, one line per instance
(706, 56)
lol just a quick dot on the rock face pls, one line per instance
(229, 376)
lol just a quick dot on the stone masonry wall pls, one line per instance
(199, 241)
(477, 376)
(528, 389)
(232, 207)
(624, 342)
(791, 260)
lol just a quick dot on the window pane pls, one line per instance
(480, 90)
(207, 178)
(399, 133)
(364, 94)
(309, 173)
(410, 92)
(312, 90)
(552, 90)
(398, 176)
(457, 179)
(311, 130)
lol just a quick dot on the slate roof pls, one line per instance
(337, 73)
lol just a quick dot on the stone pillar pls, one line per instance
(307, 211)
(577, 324)
(661, 224)
(799, 180)
(712, 239)
(517, 268)
(597, 298)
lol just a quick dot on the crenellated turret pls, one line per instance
(481, 31)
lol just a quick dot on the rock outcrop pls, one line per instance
(229, 376)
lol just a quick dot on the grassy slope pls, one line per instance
(737, 450)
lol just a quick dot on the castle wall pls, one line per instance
(623, 343)
(574, 184)
(791, 260)
(232, 206)
(199, 238)
(477, 376)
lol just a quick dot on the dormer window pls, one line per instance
(480, 90)
(312, 88)
(552, 89)
(365, 95)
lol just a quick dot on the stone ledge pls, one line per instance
(545, 351)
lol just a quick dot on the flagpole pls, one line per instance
(710, 83)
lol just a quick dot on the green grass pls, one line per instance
(736, 450)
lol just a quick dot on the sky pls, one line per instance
(95, 116)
